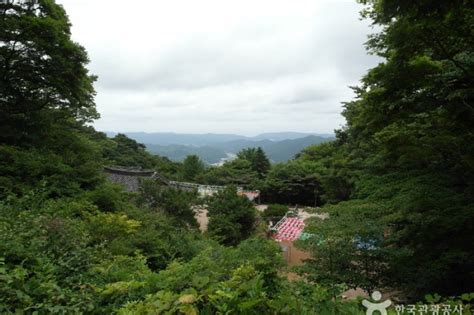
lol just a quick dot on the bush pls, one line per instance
(174, 202)
(107, 197)
(275, 212)
(231, 217)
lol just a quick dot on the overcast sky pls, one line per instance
(222, 66)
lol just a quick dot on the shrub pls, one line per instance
(275, 212)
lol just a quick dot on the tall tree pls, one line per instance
(262, 163)
(411, 127)
(46, 98)
(257, 159)
(231, 217)
(293, 182)
(335, 167)
(236, 172)
(43, 74)
(192, 167)
(178, 204)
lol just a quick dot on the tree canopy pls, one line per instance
(192, 167)
(231, 217)
(44, 77)
(408, 143)
(397, 184)
(257, 158)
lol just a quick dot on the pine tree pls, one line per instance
(262, 164)
(192, 167)
(257, 158)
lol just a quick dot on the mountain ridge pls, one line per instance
(202, 139)
(277, 151)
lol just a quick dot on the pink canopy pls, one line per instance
(289, 230)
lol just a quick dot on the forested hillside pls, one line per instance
(277, 151)
(397, 183)
(407, 149)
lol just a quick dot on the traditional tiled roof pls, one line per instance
(128, 178)
(251, 195)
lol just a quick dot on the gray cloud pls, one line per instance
(222, 66)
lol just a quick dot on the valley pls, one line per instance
(216, 148)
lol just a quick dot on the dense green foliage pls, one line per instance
(294, 182)
(274, 212)
(318, 175)
(334, 169)
(247, 169)
(65, 255)
(123, 151)
(231, 217)
(45, 86)
(348, 249)
(192, 167)
(177, 204)
(236, 172)
(46, 96)
(405, 155)
(399, 181)
(257, 158)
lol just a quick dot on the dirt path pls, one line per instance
(201, 217)
(292, 255)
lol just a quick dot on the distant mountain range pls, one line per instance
(213, 148)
